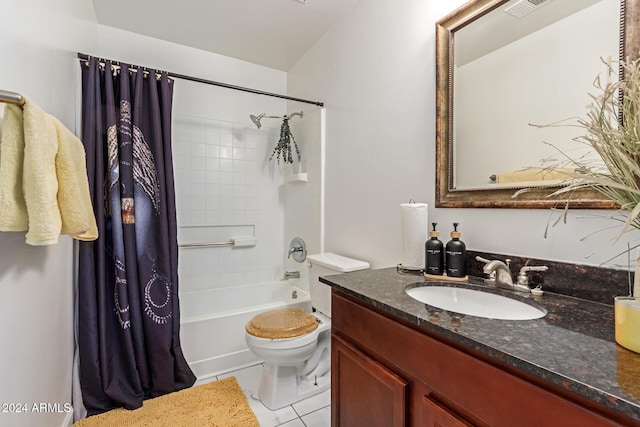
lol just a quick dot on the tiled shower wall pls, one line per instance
(223, 177)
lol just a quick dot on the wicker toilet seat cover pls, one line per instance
(283, 323)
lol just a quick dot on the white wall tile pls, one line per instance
(216, 184)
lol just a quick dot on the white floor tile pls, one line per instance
(313, 403)
(249, 381)
(248, 378)
(320, 418)
(315, 411)
(293, 423)
(269, 418)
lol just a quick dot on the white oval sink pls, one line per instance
(475, 303)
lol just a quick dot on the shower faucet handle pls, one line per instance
(293, 250)
(298, 249)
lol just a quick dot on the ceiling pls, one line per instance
(273, 33)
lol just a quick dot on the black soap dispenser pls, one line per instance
(434, 250)
(455, 254)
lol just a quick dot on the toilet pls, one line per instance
(296, 344)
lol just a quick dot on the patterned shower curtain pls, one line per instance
(128, 323)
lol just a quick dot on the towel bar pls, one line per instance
(206, 244)
(11, 97)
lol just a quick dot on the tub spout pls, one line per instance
(291, 275)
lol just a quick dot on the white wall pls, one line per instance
(375, 71)
(36, 283)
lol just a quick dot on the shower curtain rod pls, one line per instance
(85, 57)
(11, 97)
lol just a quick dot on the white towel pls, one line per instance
(43, 180)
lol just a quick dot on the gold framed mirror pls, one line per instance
(453, 47)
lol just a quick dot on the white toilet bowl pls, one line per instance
(294, 368)
(289, 351)
(296, 345)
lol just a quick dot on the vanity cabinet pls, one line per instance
(385, 373)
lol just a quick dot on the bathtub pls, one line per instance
(212, 323)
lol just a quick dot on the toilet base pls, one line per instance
(282, 386)
(294, 369)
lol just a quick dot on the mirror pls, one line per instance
(502, 64)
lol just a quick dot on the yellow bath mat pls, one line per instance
(216, 404)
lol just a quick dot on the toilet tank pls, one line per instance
(325, 264)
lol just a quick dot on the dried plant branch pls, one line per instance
(612, 129)
(283, 147)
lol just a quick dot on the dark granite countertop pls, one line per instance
(572, 347)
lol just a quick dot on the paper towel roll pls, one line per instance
(415, 226)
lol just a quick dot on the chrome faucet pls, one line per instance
(502, 274)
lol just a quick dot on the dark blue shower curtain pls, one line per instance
(128, 309)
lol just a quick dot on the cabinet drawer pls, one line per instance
(434, 414)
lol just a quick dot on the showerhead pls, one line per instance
(256, 119)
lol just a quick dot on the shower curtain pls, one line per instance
(128, 316)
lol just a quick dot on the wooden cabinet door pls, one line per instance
(363, 391)
(434, 414)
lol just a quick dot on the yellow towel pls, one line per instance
(46, 191)
(74, 199)
(535, 174)
(39, 181)
(13, 209)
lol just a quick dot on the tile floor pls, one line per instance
(312, 412)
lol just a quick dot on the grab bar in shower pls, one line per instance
(239, 242)
(205, 244)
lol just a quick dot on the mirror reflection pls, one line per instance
(519, 65)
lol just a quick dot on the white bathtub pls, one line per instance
(212, 322)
